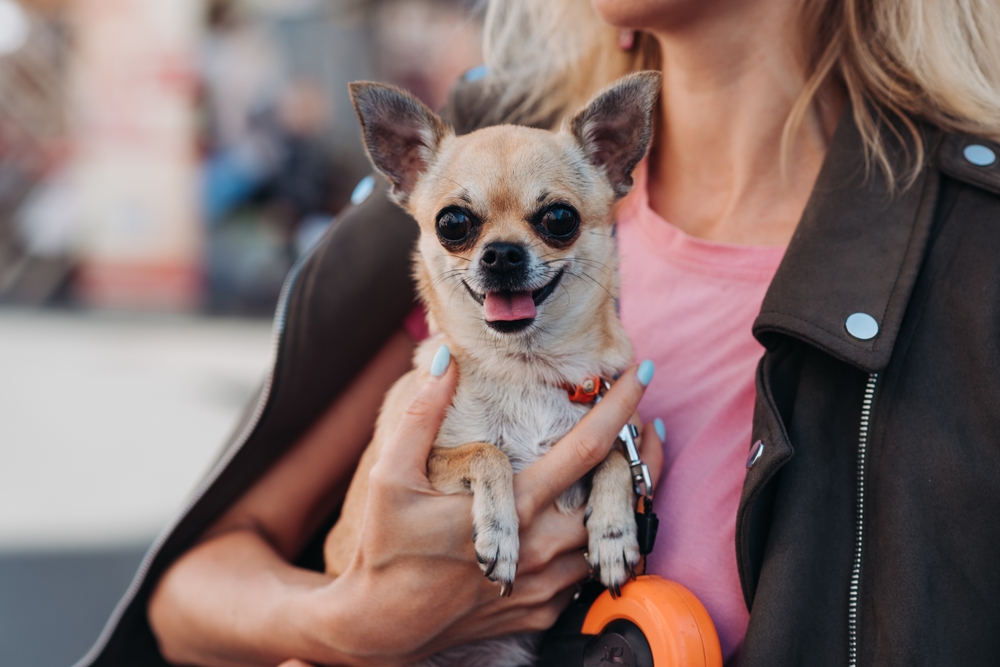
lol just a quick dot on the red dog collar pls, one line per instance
(587, 391)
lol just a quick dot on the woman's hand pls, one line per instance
(414, 583)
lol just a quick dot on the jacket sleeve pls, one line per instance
(339, 305)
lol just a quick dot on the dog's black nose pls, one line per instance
(503, 258)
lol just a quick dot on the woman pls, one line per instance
(829, 179)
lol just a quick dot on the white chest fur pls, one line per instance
(524, 419)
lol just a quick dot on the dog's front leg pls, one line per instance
(613, 550)
(484, 471)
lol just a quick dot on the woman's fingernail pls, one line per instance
(645, 372)
(661, 430)
(441, 360)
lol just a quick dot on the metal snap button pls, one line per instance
(979, 155)
(363, 190)
(755, 453)
(862, 326)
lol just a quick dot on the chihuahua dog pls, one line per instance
(517, 269)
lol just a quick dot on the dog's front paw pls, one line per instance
(613, 553)
(497, 543)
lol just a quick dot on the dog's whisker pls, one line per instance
(452, 273)
(584, 275)
(569, 296)
(482, 332)
(453, 181)
(441, 279)
(593, 262)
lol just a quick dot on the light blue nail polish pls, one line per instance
(645, 373)
(661, 430)
(441, 360)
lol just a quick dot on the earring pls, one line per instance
(626, 40)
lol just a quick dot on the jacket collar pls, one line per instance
(857, 249)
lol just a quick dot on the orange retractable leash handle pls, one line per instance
(654, 623)
(674, 623)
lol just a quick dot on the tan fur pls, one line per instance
(510, 405)
(484, 471)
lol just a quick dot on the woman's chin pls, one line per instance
(647, 15)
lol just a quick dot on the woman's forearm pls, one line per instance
(234, 601)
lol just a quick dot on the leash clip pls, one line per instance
(646, 521)
(640, 471)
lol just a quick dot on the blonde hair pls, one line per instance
(902, 62)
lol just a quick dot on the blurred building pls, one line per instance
(133, 161)
(180, 154)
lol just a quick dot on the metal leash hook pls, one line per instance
(646, 520)
(640, 471)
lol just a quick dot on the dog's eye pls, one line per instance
(560, 221)
(454, 226)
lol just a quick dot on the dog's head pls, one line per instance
(516, 241)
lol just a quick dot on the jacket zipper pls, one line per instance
(277, 335)
(859, 535)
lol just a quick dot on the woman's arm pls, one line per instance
(414, 586)
(224, 591)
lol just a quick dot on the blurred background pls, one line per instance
(162, 165)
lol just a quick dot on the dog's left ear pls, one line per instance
(400, 134)
(615, 128)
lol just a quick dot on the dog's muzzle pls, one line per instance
(511, 311)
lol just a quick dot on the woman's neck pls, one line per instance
(730, 81)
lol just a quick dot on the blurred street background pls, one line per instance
(162, 165)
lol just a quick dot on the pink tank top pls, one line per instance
(689, 304)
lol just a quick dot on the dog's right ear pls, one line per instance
(401, 135)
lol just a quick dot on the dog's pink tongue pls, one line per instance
(508, 306)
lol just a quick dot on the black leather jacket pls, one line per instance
(869, 527)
